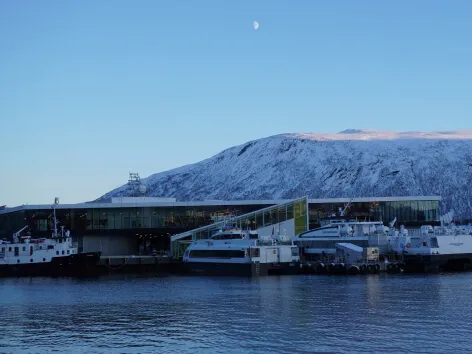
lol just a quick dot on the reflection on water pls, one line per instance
(288, 314)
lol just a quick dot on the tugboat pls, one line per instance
(55, 256)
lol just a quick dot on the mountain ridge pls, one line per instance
(351, 163)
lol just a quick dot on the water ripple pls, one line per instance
(299, 314)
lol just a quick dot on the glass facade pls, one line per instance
(268, 216)
(98, 220)
(177, 219)
(407, 212)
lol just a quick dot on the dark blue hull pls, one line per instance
(72, 265)
(438, 262)
(240, 269)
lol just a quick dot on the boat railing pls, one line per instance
(440, 231)
(414, 232)
(272, 242)
(449, 231)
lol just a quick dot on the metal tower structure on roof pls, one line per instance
(135, 187)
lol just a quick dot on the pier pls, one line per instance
(338, 268)
(132, 263)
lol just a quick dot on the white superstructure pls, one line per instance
(429, 240)
(57, 255)
(232, 249)
(320, 243)
(25, 250)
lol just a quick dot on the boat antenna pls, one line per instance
(343, 211)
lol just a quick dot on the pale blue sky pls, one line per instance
(91, 89)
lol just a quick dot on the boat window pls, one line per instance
(255, 252)
(31, 260)
(44, 259)
(217, 254)
(9, 249)
(31, 250)
(68, 251)
(17, 261)
(57, 252)
(228, 237)
(415, 242)
(24, 248)
(17, 251)
(434, 242)
(50, 247)
(324, 230)
(62, 252)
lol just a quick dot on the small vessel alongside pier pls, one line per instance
(427, 249)
(433, 249)
(232, 251)
(54, 256)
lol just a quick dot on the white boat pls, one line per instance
(319, 244)
(434, 248)
(232, 251)
(26, 256)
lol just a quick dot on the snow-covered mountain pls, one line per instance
(352, 163)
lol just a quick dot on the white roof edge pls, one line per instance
(267, 202)
(375, 199)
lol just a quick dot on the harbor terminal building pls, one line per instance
(143, 225)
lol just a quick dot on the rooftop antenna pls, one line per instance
(135, 187)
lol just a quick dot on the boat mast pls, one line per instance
(56, 201)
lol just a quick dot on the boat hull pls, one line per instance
(437, 262)
(240, 269)
(72, 265)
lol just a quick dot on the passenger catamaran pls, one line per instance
(26, 256)
(319, 244)
(445, 247)
(427, 249)
(232, 251)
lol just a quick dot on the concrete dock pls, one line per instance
(355, 268)
(132, 263)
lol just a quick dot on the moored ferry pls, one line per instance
(232, 251)
(319, 244)
(435, 248)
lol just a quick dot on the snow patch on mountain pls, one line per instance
(352, 163)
